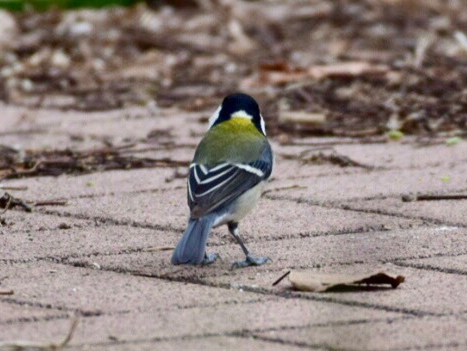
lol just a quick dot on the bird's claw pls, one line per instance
(251, 261)
(210, 258)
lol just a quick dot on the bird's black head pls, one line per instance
(238, 105)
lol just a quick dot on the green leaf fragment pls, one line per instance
(453, 141)
(395, 134)
(446, 179)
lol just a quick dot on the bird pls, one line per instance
(226, 178)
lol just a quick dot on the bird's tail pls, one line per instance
(192, 247)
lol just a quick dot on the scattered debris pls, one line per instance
(7, 202)
(57, 162)
(347, 67)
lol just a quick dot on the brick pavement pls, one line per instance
(103, 257)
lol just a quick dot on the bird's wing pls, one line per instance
(216, 186)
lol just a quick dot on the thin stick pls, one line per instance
(51, 203)
(21, 345)
(409, 198)
(17, 188)
(6, 292)
(281, 278)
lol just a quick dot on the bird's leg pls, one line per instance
(250, 260)
(209, 258)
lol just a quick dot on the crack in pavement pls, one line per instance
(346, 207)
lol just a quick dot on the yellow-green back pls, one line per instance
(235, 140)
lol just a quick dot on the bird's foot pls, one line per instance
(209, 258)
(251, 261)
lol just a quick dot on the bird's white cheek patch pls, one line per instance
(263, 125)
(214, 117)
(241, 114)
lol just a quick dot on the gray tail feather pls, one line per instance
(192, 247)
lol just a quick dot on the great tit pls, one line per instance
(226, 178)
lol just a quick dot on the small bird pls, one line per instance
(226, 178)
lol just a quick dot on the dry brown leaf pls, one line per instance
(302, 117)
(309, 281)
(282, 73)
(346, 69)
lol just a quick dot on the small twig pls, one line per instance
(6, 292)
(281, 278)
(158, 248)
(410, 198)
(3, 278)
(51, 203)
(21, 345)
(14, 188)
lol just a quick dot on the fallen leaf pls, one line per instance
(453, 141)
(308, 281)
(346, 69)
(283, 73)
(301, 117)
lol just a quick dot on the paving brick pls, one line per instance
(290, 170)
(19, 118)
(224, 343)
(329, 252)
(95, 184)
(75, 288)
(198, 321)
(270, 219)
(375, 183)
(46, 140)
(29, 222)
(424, 292)
(203, 307)
(80, 239)
(450, 212)
(449, 264)
(427, 333)
(11, 313)
(58, 129)
(405, 155)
